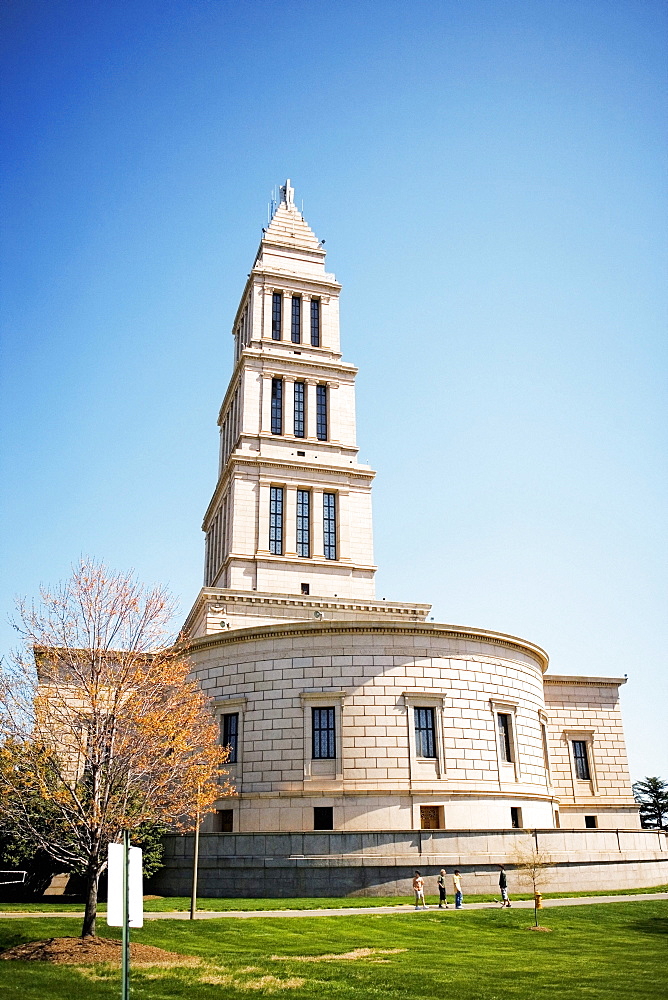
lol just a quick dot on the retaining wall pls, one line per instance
(288, 865)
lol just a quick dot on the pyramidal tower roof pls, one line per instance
(288, 242)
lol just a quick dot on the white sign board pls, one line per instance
(115, 887)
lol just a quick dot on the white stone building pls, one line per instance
(344, 712)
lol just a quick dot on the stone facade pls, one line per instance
(353, 715)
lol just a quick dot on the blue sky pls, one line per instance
(490, 178)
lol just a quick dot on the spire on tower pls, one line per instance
(288, 194)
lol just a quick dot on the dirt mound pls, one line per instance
(91, 950)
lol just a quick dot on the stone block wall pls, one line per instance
(382, 864)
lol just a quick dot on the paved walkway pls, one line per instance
(351, 911)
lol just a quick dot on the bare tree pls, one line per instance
(534, 869)
(99, 720)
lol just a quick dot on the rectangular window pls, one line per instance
(425, 743)
(230, 735)
(315, 322)
(276, 406)
(303, 523)
(505, 739)
(516, 817)
(276, 520)
(581, 760)
(296, 331)
(591, 822)
(431, 817)
(321, 412)
(329, 524)
(323, 818)
(276, 315)
(324, 744)
(546, 755)
(299, 409)
(223, 821)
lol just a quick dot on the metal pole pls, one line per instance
(125, 954)
(193, 895)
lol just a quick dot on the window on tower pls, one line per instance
(276, 406)
(299, 409)
(315, 322)
(321, 412)
(329, 525)
(296, 331)
(303, 523)
(276, 315)
(276, 520)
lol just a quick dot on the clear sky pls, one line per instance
(490, 179)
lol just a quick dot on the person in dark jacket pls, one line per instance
(503, 886)
(442, 895)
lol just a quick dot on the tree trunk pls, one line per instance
(90, 914)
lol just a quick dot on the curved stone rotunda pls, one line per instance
(366, 740)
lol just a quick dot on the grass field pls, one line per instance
(166, 904)
(593, 952)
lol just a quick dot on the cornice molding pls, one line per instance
(585, 681)
(294, 629)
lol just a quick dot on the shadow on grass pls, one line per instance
(654, 925)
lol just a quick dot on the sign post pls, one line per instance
(125, 901)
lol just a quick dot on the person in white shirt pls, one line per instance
(418, 889)
(457, 882)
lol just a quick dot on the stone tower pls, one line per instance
(291, 510)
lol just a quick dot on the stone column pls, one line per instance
(265, 403)
(290, 521)
(263, 520)
(306, 320)
(333, 422)
(311, 410)
(343, 527)
(316, 523)
(288, 406)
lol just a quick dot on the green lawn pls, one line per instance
(176, 903)
(593, 952)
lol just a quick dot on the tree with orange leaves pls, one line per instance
(99, 720)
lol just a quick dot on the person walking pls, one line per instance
(418, 889)
(457, 882)
(442, 895)
(503, 886)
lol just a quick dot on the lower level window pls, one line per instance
(324, 742)
(323, 818)
(223, 821)
(425, 742)
(505, 741)
(581, 760)
(431, 817)
(229, 735)
(516, 817)
(591, 822)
